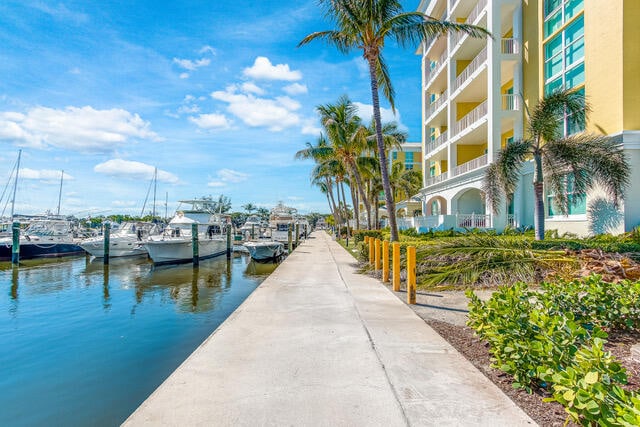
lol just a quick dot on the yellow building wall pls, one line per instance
(503, 139)
(463, 108)
(444, 167)
(532, 51)
(631, 65)
(505, 87)
(603, 64)
(461, 64)
(469, 152)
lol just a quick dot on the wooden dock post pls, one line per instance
(396, 266)
(194, 245)
(371, 252)
(411, 275)
(106, 242)
(297, 234)
(289, 241)
(15, 243)
(306, 232)
(385, 261)
(376, 254)
(229, 244)
(253, 231)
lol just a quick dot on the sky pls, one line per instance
(213, 93)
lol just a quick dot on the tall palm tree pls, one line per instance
(347, 138)
(404, 182)
(365, 25)
(249, 207)
(580, 160)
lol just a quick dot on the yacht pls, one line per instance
(44, 238)
(174, 245)
(280, 219)
(265, 250)
(126, 240)
(253, 224)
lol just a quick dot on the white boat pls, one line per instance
(126, 240)
(280, 219)
(253, 224)
(174, 245)
(44, 238)
(265, 250)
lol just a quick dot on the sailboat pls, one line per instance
(45, 237)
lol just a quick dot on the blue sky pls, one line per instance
(214, 94)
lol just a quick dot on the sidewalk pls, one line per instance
(317, 344)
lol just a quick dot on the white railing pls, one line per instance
(436, 179)
(511, 220)
(473, 116)
(432, 72)
(473, 220)
(439, 141)
(510, 102)
(471, 19)
(476, 163)
(473, 66)
(436, 104)
(510, 46)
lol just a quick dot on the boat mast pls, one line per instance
(60, 193)
(155, 186)
(166, 204)
(15, 184)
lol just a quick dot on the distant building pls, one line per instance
(475, 92)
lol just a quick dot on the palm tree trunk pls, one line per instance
(538, 190)
(382, 156)
(356, 208)
(335, 212)
(358, 178)
(346, 211)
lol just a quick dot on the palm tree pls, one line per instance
(366, 25)
(404, 182)
(580, 160)
(249, 207)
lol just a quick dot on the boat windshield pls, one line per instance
(48, 228)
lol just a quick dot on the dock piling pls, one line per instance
(411, 275)
(290, 243)
(106, 234)
(15, 243)
(253, 231)
(229, 245)
(194, 245)
(297, 234)
(385, 261)
(396, 266)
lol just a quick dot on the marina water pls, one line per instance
(85, 344)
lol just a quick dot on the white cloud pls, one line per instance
(309, 127)
(226, 176)
(263, 69)
(133, 170)
(275, 114)
(124, 203)
(250, 87)
(74, 128)
(184, 75)
(208, 49)
(75, 70)
(211, 121)
(192, 65)
(295, 89)
(50, 175)
(365, 111)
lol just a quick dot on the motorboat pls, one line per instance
(126, 240)
(175, 245)
(265, 250)
(251, 228)
(281, 219)
(44, 238)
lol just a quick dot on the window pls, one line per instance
(435, 207)
(558, 12)
(394, 155)
(408, 160)
(577, 201)
(564, 58)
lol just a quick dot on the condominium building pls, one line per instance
(410, 155)
(476, 93)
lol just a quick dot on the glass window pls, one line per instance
(550, 6)
(577, 201)
(553, 86)
(572, 8)
(394, 155)
(575, 76)
(435, 207)
(552, 23)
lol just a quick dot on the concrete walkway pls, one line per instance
(317, 344)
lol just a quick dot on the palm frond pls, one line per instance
(501, 177)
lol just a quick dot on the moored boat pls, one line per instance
(44, 238)
(126, 240)
(263, 251)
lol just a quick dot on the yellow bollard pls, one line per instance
(371, 252)
(396, 266)
(385, 261)
(376, 250)
(411, 275)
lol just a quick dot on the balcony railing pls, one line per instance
(436, 179)
(473, 66)
(470, 165)
(474, 115)
(456, 37)
(510, 102)
(432, 72)
(473, 220)
(510, 46)
(439, 141)
(511, 220)
(436, 104)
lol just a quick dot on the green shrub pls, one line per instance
(359, 235)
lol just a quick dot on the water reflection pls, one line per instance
(260, 268)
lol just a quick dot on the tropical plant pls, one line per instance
(249, 207)
(579, 161)
(404, 182)
(366, 25)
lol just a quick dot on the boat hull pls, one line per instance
(265, 251)
(117, 247)
(41, 250)
(180, 250)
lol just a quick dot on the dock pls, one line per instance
(318, 344)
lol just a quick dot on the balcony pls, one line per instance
(471, 118)
(476, 163)
(432, 180)
(435, 105)
(473, 220)
(431, 73)
(510, 102)
(473, 66)
(438, 142)
(471, 19)
(510, 46)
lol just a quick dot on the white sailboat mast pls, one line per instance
(60, 192)
(15, 184)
